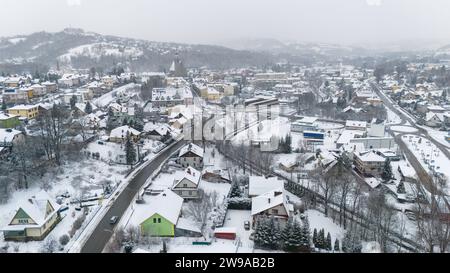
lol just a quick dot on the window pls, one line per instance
(184, 185)
(275, 211)
(23, 221)
(159, 220)
(154, 220)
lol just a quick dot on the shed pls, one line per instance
(225, 233)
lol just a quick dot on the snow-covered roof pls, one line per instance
(259, 184)
(269, 200)
(347, 135)
(406, 170)
(36, 208)
(190, 174)
(161, 129)
(8, 135)
(372, 182)
(355, 123)
(23, 107)
(225, 230)
(186, 224)
(122, 131)
(191, 147)
(5, 116)
(167, 204)
(370, 157)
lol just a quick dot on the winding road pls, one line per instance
(103, 231)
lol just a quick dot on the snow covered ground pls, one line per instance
(318, 220)
(404, 129)
(84, 178)
(431, 158)
(392, 118)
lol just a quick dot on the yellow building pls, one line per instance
(26, 111)
(28, 91)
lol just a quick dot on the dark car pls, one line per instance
(113, 220)
(247, 225)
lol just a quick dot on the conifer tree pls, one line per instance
(315, 237)
(336, 245)
(387, 170)
(401, 187)
(328, 242)
(305, 244)
(130, 152)
(88, 108)
(235, 190)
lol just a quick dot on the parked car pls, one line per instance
(247, 225)
(113, 220)
(63, 209)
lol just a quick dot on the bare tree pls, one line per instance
(327, 185)
(433, 224)
(199, 209)
(344, 186)
(53, 129)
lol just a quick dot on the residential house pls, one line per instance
(14, 96)
(216, 176)
(34, 218)
(369, 163)
(187, 186)
(119, 134)
(272, 204)
(38, 90)
(50, 87)
(157, 131)
(433, 119)
(161, 216)
(8, 121)
(25, 111)
(191, 155)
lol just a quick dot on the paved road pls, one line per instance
(103, 232)
(412, 122)
(422, 173)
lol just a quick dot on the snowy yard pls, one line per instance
(429, 155)
(78, 179)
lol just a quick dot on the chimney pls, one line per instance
(268, 200)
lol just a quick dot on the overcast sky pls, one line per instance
(214, 21)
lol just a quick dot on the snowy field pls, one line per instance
(79, 179)
(404, 129)
(392, 118)
(431, 158)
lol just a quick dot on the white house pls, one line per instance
(120, 134)
(191, 155)
(187, 186)
(34, 218)
(272, 204)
